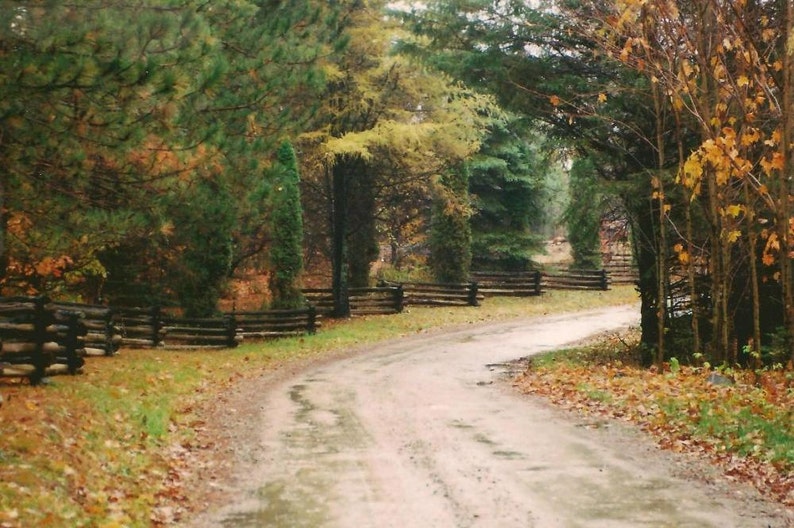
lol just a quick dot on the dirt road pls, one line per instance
(424, 433)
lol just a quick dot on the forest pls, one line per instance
(153, 151)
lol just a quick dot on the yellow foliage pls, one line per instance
(734, 210)
(732, 236)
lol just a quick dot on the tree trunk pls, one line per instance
(339, 222)
(788, 179)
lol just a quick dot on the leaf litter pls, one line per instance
(741, 421)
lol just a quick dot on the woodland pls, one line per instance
(154, 151)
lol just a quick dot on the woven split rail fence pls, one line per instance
(152, 327)
(576, 280)
(381, 300)
(621, 268)
(38, 338)
(509, 283)
(276, 323)
(432, 294)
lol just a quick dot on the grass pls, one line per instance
(102, 449)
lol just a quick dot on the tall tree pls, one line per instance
(508, 192)
(380, 105)
(286, 252)
(450, 235)
(108, 111)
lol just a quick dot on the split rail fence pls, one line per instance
(509, 283)
(576, 280)
(39, 337)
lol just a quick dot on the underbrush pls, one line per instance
(742, 420)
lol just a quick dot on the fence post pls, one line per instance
(231, 330)
(110, 346)
(311, 320)
(604, 279)
(157, 325)
(41, 320)
(536, 278)
(399, 298)
(473, 290)
(72, 341)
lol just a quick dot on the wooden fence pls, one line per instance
(508, 283)
(276, 323)
(431, 294)
(621, 268)
(102, 336)
(575, 280)
(151, 327)
(37, 337)
(381, 300)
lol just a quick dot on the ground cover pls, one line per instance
(742, 421)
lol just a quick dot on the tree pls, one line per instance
(450, 230)
(382, 106)
(508, 191)
(110, 111)
(583, 215)
(286, 251)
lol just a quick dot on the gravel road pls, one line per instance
(425, 432)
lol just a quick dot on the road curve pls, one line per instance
(419, 433)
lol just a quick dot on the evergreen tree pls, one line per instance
(508, 191)
(583, 216)
(203, 222)
(450, 235)
(286, 251)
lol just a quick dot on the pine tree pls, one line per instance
(450, 235)
(286, 251)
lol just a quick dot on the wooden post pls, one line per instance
(473, 290)
(604, 280)
(231, 330)
(311, 323)
(110, 346)
(536, 278)
(157, 325)
(40, 323)
(399, 298)
(75, 329)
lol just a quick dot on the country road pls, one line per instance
(424, 432)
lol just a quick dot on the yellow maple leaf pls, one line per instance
(733, 236)
(602, 97)
(734, 210)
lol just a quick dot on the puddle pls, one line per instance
(281, 505)
(509, 455)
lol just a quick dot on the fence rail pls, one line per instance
(381, 300)
(151, 327)
(37, 337)
(432, 294)
(276, 323)
(508, 283)
(576, 280)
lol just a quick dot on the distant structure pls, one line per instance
(616, 254)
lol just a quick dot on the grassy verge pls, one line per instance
(98, 449)
(744, 422)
